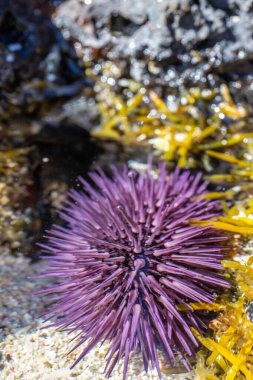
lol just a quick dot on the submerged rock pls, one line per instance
(36, 170)
(16, 198)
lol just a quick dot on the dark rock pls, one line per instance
(192, 41)
(36, 63)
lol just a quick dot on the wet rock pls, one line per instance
(191, 41)
(37, 65)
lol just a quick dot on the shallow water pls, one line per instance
(56, 127)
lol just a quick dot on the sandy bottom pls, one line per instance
(41, 354)
(28, 352)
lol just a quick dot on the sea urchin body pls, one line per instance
(129, 259)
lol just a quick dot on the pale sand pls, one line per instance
(29, 353)
(41, 355)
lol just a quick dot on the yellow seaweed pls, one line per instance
(228, 354)
(180, 132)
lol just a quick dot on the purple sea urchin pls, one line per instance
(129, 257)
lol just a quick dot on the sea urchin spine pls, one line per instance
(129, 257)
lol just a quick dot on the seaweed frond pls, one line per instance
(229, 353)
